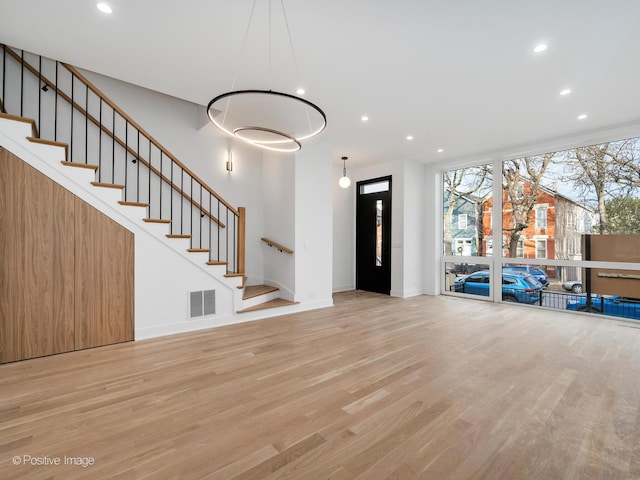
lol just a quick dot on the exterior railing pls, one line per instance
(68, 108)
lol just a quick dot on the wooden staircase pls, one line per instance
(262, 297)
(253, 297)
(113, 188)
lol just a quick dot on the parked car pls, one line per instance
(516, 287)
(573, 286)
(535, 272)
(606, 304)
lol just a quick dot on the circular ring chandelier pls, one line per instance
(268, 119)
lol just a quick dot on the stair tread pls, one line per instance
(107, 185)
(79, 165)
(177, 235)
(47, 142)
(215, 262)
(278, 302)
(156, 220)
(133, 204)
(251, 291)
(198, 250)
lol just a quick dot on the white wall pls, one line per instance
(344, 232)
(417, 232)
(313, 224)
(432, 218)
(410, 238)
(279, 221)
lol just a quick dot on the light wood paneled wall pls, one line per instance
(36, 263)
(66, 270)
(104, 277)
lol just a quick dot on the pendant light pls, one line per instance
(268, 119)
(344, 181)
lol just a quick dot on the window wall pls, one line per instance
(537, 215)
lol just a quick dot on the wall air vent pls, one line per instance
(202, 303)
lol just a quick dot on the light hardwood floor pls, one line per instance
(373, 388)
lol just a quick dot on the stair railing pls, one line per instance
(68, 108)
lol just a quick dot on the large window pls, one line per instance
(549, 212)
(464, 212)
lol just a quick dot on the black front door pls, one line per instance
(373, 235)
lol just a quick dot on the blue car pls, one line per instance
(516, 287)
(535, 272)
(608, 305)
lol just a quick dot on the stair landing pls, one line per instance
(277, 302)
(251, 291)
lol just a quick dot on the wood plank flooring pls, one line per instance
(373, 388)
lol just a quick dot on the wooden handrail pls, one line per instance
(130, 150)
(147, 134)
(282, 248)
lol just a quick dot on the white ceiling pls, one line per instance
(458, 75)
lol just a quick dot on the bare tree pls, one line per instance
(626, 159)
(522, 179)
(457, 184)
(606, 170)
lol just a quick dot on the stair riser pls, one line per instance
(252, 302)
(134, 213)
(198, 257)
(109, 195)
(16, 129)
(80, 175)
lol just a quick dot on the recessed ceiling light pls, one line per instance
(300, 91)
(582, 117)
(440, 150)
(566, 91)
(540, 48)
(365, 118)
(409, 137)
(104, 8)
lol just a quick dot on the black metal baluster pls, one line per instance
(149, 178)
(218, 228)
(191, 203)
(201, 215)
(113, 153)
(181, 201)
(99, 133)
(86, 132)
(171, 197)
(161, 183)
(138, 172)
(4, 75)
(126, 158)
(227, 235)
(72, 115)
(210, 226)
(21, 82)
(39, 93)
(55, 109)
